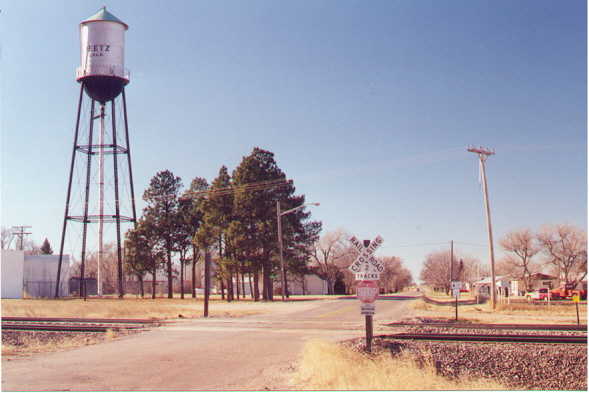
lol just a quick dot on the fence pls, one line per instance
(43, 289)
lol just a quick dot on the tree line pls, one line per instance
(560, 250)
(333, 253)
(228, 218)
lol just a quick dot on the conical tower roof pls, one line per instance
(104, 15)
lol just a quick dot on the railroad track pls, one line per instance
(497, 326)
(74, 324)
(508, 338)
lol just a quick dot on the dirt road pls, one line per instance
(255, 352)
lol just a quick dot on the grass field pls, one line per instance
(133, 307)
(504, 313)
(327, 366)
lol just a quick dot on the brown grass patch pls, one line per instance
(504, 313)
(326, 366)
(124, 308)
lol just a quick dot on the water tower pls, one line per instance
(102, 77)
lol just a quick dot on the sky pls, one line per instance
(368, 106)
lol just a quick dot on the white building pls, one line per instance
(32, 275)
(313, 286)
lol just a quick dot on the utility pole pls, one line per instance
(19, 231)
(483, 155)
(282, 269)
(451, 260)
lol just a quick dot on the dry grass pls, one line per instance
(504, 313)
(326, 366)
(126, 308)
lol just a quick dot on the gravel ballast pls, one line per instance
(517, 365)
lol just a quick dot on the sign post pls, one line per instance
(576, 299)
(456, 286)
(367, 270)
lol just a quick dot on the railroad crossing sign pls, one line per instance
(366, 266)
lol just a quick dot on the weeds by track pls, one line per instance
(493, 326)
(80, 325)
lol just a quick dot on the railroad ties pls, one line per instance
(80, 325)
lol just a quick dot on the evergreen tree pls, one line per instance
(46, 248)
(254, 227)
(162, 199)
(195, 217)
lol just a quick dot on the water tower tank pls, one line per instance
(102, 68)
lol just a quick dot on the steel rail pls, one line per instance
(492, 338)
(67, 328)
(494, 326)
(81, 320)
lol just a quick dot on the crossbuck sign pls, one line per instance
(366, 266)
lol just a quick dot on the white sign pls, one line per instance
(456, 287)
(367, 308)
(365, 263)
(367, 276)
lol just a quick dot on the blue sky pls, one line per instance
(368, 106)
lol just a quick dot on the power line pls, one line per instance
(249, 187)
(471, 244)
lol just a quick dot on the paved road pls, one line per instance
(255, 352)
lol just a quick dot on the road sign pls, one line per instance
(456, 287)
(367, 291)
(367, 308)
(576, 298)
(364, 276)
(366, 263)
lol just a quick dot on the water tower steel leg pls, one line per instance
(117, 208)
(129, 158)
(69, 191)
(86, 199)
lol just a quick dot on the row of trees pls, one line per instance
(332, 255)
(557, 249)
(230, 218)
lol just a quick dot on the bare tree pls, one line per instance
(522, 246)
(566, 248)
(395, 276)
(436, 270)
(5, 238)
(330, 248)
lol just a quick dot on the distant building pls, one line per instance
(483, 287)
(313, 285)
(32, 275)
(536, 281)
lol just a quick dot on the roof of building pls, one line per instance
(542, 276)
(104, 15)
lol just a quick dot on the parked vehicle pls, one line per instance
(567, 292)
(538, 294)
